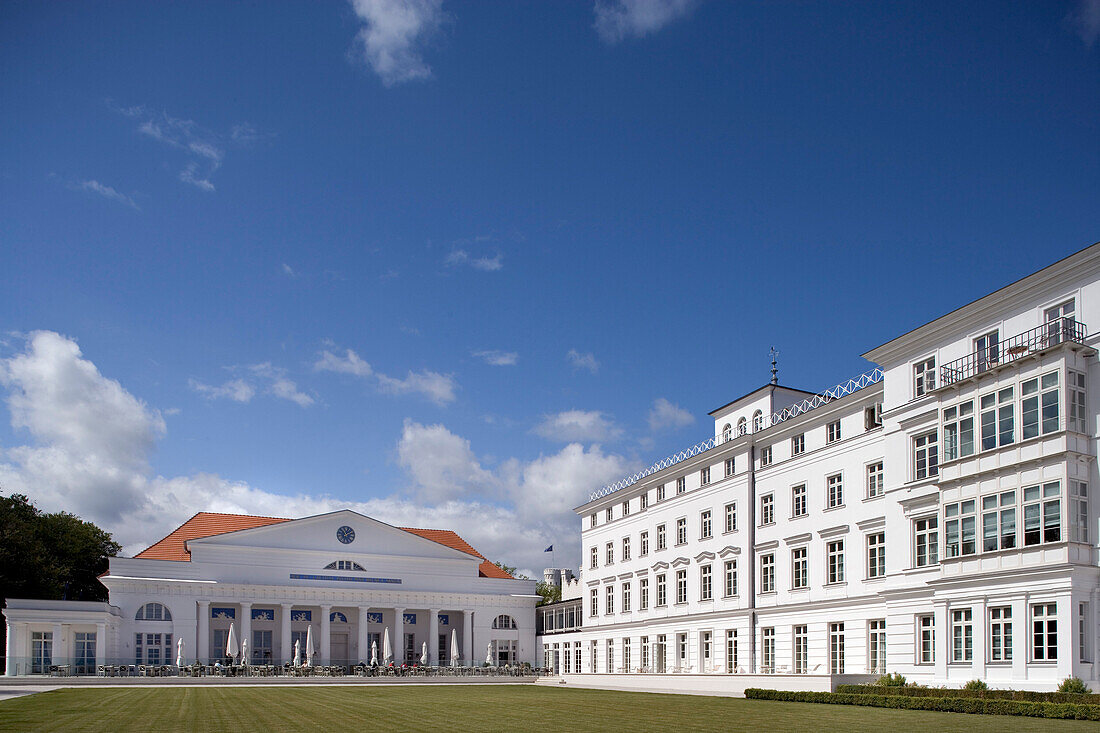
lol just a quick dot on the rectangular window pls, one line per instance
(84, 648)
(836, 648)
(1039, 405)
(681, 586)
(704, 476)
(705, 655)
(926, 542)
(626, 653)
(731, 578)
(998, 418)
(834, 552)
(768, 644)
(962, 635)
(1078, 511)
(1076, 394)
(661, 540)
(832, 432)
(626, 549)
(593, 655)
(643, 543)
(626, 508)
(661, 492)
(1042, 514)
(876, 646)
(681, 485)
(876, 555)
(800, 570)
(643, 644)
(798, 445)
(706, 583)
(767, 509)
(729, 467)
(643, 594)
(924, 376)
(1044, 632)
(731, 517)
(643, 501)
(835, 491)
(926, 457)
(801, 638)
(609, 599)
(1059, 321)
(987, 351)
(766, 456)
(662, 590)
(594, 603)
(594, 558)
(798, 500)
(926, 628)
(999, 521)
(959, 529)
(610, 553)
(767, 573)
(731, 650)
(958, 431)
(610, 514)
(610, 655)
(592, 519)
(872, 416)
(875, 485)
(681, 531)
(705, 528)
(682, 650)
(626, 597)
(1000, 634)
(1084, 653)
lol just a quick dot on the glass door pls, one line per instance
(41, 651)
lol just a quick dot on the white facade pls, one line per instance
(873, 529)
(350, 577)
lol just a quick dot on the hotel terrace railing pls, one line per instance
(841, 390)
(1043, 337)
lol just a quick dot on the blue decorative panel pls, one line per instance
(337, 617)
(409, 618)
(301, 615)
(304, 576)
(219, 612)
(444, 620)
(374, 618)
(263, 614)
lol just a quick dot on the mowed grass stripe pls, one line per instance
(460, 708)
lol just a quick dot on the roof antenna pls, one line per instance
(775, 368)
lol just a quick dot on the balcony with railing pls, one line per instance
(1041, 338)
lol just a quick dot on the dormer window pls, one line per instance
(344, 565)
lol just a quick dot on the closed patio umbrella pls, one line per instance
(387, 649)
(298, 653)
(179, 652)
(244, 651)
(309, 646)
(489, 653)
(454, 647)
(424, 654)
(374, 654)
(231, 647)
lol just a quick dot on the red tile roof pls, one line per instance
(208, 524)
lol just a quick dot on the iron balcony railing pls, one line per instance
(1052, 333)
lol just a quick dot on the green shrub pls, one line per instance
(973, 685)
(971, 705)
(1074, 685)
(1019, 695)
(891, 680)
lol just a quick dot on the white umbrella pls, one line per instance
(424, 654)
(298, 653)
(231, 648)
(309, 646)
(489, 653)
(454, 647)
(179, 652)
(387, 649)
(244, 651)
(374, 654)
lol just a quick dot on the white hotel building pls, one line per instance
(349, 577)
(930, 518)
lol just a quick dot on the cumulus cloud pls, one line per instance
(439, 388)
(393, 35)
(583, 361)
(349, 363)
(1086, 20)
(441, 464)
(237, 390)
(590, 426)
(487, 264)
(666, 416)
(493, 357)
(107, 192)
(617, 20)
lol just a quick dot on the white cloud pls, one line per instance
(1086, 20)
(190, 174)
(350, 363)
(441, 464)
(439, 388)
(583, 361)
(487, 264)
(494, 357)
(588, 426)
(664, 415)
(551, 486)
(280, 385)
(107, 192)
(289, 271)
(393, 35)
(237, 390)
(617, 20)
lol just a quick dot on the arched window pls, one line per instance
(727, 433)
(741, 426)
(337, 618)
(344, 565)
(153, 612)
(504, 621)
(757, 421)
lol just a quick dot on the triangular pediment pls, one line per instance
(342, 533)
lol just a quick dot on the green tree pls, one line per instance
(550, 593)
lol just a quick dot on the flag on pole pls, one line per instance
(549, 549)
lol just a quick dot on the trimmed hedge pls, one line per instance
(1020, 695)
(971, 705)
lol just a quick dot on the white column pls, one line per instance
(1021, 632)
(286, 650)
(9, 650)
(362, 643)
(100, 644)
(433, 636)
(58, 647)
(326, 634)
(942, 627)
(468, 637)
(1067, 635)
(981, 633)
(202, 640)
(246, 627)
(398, 636)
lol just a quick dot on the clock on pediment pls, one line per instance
(345, 534)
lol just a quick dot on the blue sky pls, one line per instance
(457, 264)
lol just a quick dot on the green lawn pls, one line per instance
(460, 707)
